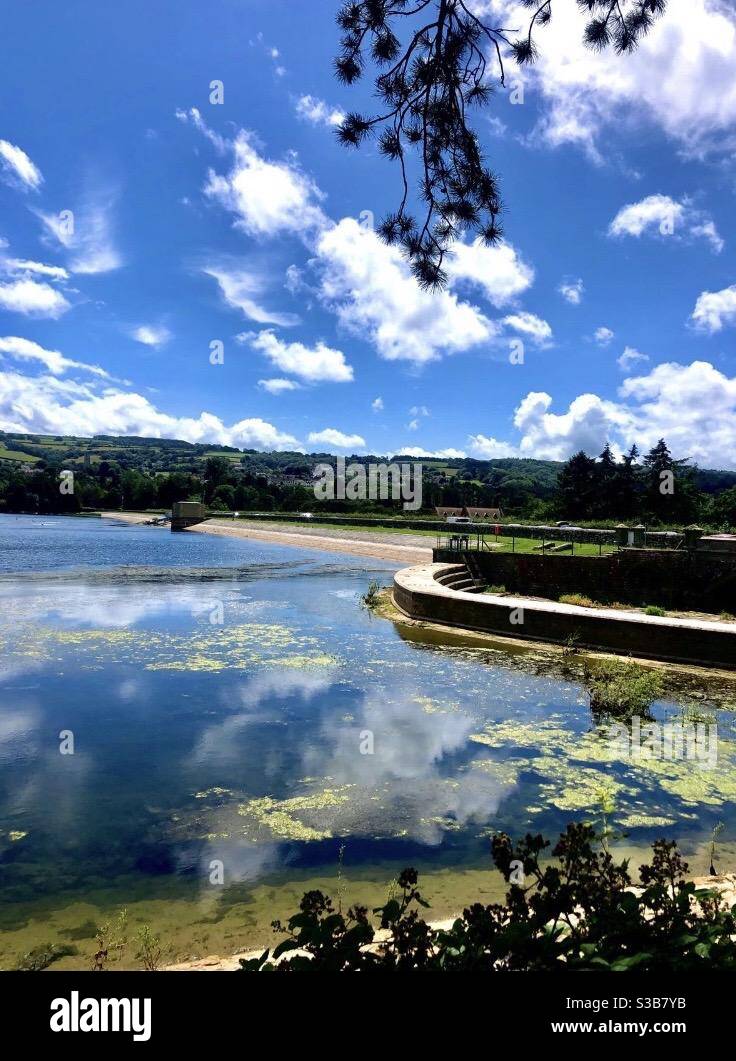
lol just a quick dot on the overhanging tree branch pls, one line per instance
(453, 62)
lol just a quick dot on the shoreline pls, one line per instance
(128, 517)
(376, 550)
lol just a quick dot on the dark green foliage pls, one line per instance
(659, 490)
(42, 957)
(148, 473)
(575, 912)
(436, 60)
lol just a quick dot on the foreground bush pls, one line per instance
(578, 912)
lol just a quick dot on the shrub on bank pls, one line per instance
(579, 912)
(622, 689)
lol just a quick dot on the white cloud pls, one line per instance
(413, 425)
(490, 448)
(438, 454)
(87, 234)
(603, 336)
(17, 166)
(53, 406)
(330, 436)
(33, 299)
(151, 334)
(419, 410)
(692, 406)
(660, 214)
(714, 310)
(318, 364)
(278, 386)
(498, 271)
(377, 405)
(24, 266)
(572, 291)
(268, 198)
(531, 325)
(316, 111)
(630, 357)
(680, 77)
(25, 350)
(368, 285)
(242, 289)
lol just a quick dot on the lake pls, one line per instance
(199, 729)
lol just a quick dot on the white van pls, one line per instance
(459, 519)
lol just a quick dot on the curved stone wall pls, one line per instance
(419, 594)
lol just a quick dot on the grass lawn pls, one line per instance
(520, 545)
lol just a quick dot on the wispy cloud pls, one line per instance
(17, 168)
(242, 289)
(86, 233)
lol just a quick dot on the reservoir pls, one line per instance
(198, 729)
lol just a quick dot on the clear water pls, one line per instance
(236, 719)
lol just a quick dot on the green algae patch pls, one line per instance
(281, 817)
(574, 770)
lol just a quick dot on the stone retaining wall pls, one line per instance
(692, 581)
(419, 595)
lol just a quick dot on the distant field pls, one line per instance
(16, 455)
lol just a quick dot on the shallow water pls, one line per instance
(221, 720)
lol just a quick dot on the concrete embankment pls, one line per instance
(692, 641)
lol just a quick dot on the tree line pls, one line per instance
(655, 489)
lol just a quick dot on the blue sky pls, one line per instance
(143, 223)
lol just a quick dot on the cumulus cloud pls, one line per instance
(529, 324)
(267, 197)
(17, 167)
(692, 406)
(660, 214)
(437, 454)
(714, 310)
(572, 291)
(33, 299)
(603, 336)
(316, 111)
(278, 386)
(663, 82)
(22, 349)
(490, 448)
(365, 283)
(48, 405)
(369, 286)
(377, 405)
(151, 334)
(330, 436)
(242, 289)
(498, 271)
(318, 364)
(630, 357)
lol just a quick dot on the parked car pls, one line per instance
(459, 519)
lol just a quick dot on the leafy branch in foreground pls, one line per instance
(450, 60)
(579, 911)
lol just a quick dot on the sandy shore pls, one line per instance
(372, 544)
(128, 517)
